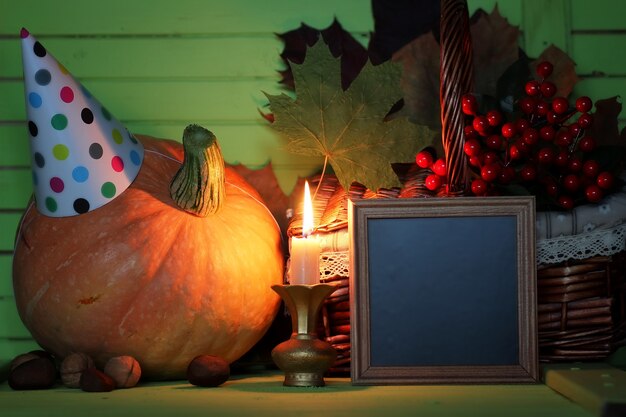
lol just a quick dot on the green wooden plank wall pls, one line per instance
(158, 65)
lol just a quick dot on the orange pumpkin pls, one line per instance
(142, 277)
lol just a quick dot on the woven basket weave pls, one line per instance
(581, 304)
(581, 312)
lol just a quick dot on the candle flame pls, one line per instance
(307, 215)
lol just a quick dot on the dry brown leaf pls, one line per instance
(494, 42)
(495, 48)
(341, 43)
(420, 80)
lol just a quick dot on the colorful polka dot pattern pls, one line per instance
(82, 156)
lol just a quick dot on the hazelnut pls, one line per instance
(73, 366)
(208, 371)
(124, 370)
(93, 380)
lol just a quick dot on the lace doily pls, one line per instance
(334, 264)
(603, 242)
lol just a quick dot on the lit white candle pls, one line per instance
(305, 251)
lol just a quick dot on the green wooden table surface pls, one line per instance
(262, 394)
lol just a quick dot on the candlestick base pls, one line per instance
(304, 358)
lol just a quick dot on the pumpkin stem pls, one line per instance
(198, 186)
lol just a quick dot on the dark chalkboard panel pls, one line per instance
(443, 290)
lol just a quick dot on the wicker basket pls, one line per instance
(581, 311)
(581, 304)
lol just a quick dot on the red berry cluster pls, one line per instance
(434, 181)
(545, 148)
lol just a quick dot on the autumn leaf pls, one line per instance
(348, 127)
(494, 42)
(341, 43)
(495, 48)
(420, 80)
(296, 42)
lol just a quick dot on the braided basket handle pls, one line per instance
(457, 76)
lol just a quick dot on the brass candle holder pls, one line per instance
(304, 357)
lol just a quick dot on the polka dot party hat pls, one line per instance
(82, 157)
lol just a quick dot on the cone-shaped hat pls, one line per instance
(82, 157)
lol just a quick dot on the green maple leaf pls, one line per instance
(348, 127)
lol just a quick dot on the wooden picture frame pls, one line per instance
(443, 290)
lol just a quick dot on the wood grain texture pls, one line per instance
(188, 17)
(262, 395)
(15, 197)
(545, 22)
(604, 46)
(14, 147)
(9, 220)
(598, 15)
(170, 100)
(138, 58)
(599, 388)
(11, 347)
(6, 285)
(11, 325)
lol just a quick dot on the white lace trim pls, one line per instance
(604, 242)
(601, 242)
(334, 264)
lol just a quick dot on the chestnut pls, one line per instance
(208, 371)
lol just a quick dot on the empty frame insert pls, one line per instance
(443, 290)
